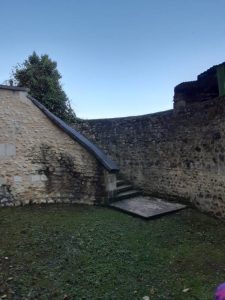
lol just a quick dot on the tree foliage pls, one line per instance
(40, 75)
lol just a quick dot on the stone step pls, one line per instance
(120, 182)
(124, 188)
(128, 194)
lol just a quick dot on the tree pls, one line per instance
(40, 75)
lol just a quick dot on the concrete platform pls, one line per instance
(146, 207)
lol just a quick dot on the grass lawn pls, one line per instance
(79, 252)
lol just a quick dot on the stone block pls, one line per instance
(7, 150)
(2, 181)
(18, 179)
(35, 178)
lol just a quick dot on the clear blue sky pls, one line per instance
(116, 57)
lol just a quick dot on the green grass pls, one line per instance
(78, 252)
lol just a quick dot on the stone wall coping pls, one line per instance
(110, 165)
(13, 88)
(155, 114)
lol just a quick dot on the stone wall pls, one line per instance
(169, 154)
(39, 163)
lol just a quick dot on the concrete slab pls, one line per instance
(146, 207)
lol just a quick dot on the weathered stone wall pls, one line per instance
(174, 155)
(206, 87)
(39, 163)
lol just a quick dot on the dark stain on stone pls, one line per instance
(65, 177)
(216, 136)
(6, 195)
(198, 149)
(221, 157)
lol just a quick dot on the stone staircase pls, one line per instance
(132, 201)
(125, 190)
